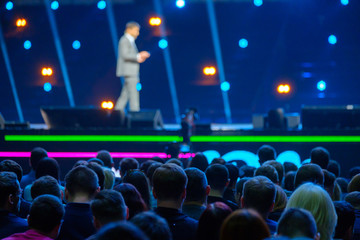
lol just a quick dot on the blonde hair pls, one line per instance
(354, 184)
(317, 201)
(109, 178)
(280, 199)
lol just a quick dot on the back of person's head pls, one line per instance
(296, 223)
(244, 224)
(343, 184)
(334, 167)
(139, 180)
(121, 230)
(109, 180)
(106, 158)
(289, 181)
(259, 193)
(354, 199)
(280, 199)
(158, 159)
(45, 185)
(329, 182)
(269, 172)
(218, 161)
(99, 173)
(239, 189)
(151, 170)
(246, 171)
(9, 185)
(289, 166)
(346, 219)
(154, 226)
(217, 176)
(317, 201)
(320, 156)
(233, 174)
(96, 160)
(169, 182)
(46, 213)
(265, 153)
(196, 188)
(11, 166)
(108, 206)
(354, 184)
(353, 171)
(175, 161)
(81, 180)
(173, 149)
(132, 197)
(309, 173)
(211, 220)
(80, 163)
(199, 161)
(48, 166)
(36, 155)
(127, 164)
(144, 166)
(278, 167)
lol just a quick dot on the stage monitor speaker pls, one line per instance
(150, 118)
(331, 117)
(82, 117)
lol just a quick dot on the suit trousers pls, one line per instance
(130, 94)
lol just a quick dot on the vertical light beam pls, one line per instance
(112, 25)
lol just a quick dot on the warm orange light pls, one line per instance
(155, 21)
(107, 105)
(283, 88)
(47, 71)
(21, 22)
(209, 70)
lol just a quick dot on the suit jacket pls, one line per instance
(127, 64)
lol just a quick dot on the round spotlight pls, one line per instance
(155, 21)
(180, 3)
(46, 71)
(163, 44)
(21, 22)
(9, 5)
(107, 105)
(344, 2)
(101, 4)
(225, 86)
(54, 5)
(321, 85)
(76, 44)
(209, 71)
(27, 44)
(138, 87)
(332, 39)
(47, 87)
(258, 3)
(283, 88)
(243, 43)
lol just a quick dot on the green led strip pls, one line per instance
(92, 138)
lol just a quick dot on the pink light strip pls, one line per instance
(93, 154)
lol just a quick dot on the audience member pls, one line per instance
(175, 161)
(329, 182)
(127, 164)
(219, 160)
(144, 166)
(106, 158)
(278, 167)
(354, 171)
(35, 156)
(265, 153)
(46, 185)
(288, 184)
(139, 180)
(244, 224)
(320, 156)
(229, 193)
(197, 190)
(309, 173)
(239, 189)
(98, 169)
(289, 166)
(109, 180)
(199, 161)
(354, 184)
(343, 184)
(97, 161)
(334, 167)
(149, 174)
(354, 199)
(120, 230)
(280, 204)
(246, 171)
(269, 172)
(345, 222)
(154, 226)
(11, 166)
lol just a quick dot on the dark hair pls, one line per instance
(320, 156)
(346, 218)
(108, 206)
(199, 161)
(169, 182)
(196, 186)
(289, 181)
(217, 176)
(127, 231)
(11, 166)
(256, 187)
(334, 167)
(132, 198)
(354, 199)
(354, 171)
(278, 167)
(296, 222)
(80, 163)
(151, 170)
(289, 166)
(309, 173)
(246, 171)
(266, 152)
(343, 184)
(8, 185)
(211, 220)
(99, 172)
(269, 172)
(144, 166)
(158, 159)
(48, 166)
(36, 155)
(239, 187)
(173, 149)
(329, 182)
(105, 156)
(218, 160)
(127, 164)
(46, 212)
(81, 180)
(175, 161)
(154, 226)
(139, 180)
(45, 185)
(96, 160)
(233, 173)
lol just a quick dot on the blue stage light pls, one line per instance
(163, 44)
(332, 39)
(54, 5)
(76, 44)
(27, 44)
(47, 87)
(101, 4)
(344, 2)
(9, 5)
(258, 3)
(180, 3)
(321, 85)
(138, 87)
(306, 74)
(243, 43)
(225, 86)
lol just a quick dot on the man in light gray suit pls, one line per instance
(128, 63)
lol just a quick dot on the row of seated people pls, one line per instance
(166, 201)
